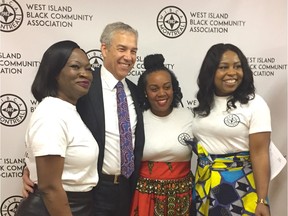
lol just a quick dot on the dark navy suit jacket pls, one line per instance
(91, 110)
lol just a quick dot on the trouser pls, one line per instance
(112, 197)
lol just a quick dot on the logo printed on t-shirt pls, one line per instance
(232, 120)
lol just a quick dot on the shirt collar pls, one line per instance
(109, 79)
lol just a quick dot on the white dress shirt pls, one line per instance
(112, 156)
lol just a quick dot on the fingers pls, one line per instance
(27, 183)
(25, 194)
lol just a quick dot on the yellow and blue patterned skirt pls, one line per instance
(224, 184)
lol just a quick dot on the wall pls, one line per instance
(181, 30)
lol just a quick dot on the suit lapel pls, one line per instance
(96, 97)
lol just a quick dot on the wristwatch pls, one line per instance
(263, 201)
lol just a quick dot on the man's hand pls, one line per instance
(27, 183)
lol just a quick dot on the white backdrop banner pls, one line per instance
(182, 31)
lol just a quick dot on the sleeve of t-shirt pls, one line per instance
(260, 118)
(48, 136)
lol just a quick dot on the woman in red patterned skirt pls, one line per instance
(165, 182)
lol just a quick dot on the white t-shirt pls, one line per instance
(164, 136)
(55, 128)
(223, 132)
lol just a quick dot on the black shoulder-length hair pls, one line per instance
(205, 80)
(53, 61)
(154, 63)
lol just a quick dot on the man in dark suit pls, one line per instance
(98, 110)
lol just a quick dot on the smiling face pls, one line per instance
(75, 77)
(120, 56)
(159, 92)
(229, 74)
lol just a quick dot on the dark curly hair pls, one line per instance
(205, 81)
(153, 63)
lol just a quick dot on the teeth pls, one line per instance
(162, 102)
(125, 65)
(230, 81)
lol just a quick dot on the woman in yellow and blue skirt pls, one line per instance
(232, 126)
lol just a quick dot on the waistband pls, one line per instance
(115, 179)
(229, 155)
(238, 160)
(164, 170)
(72, 194)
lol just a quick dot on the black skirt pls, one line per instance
(81, 204)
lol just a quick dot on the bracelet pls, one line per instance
(262, 201)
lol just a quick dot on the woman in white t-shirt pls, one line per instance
(164, 186)
(232, 126)
(61, 153)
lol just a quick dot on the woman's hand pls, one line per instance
(262, 210)
(27, 183)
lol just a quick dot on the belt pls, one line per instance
(116, 179)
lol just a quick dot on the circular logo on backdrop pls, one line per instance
(95, 58)
(171, 22)
(11, 16)
(232, 120)
(13, 110)
(10, 205)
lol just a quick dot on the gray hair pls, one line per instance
(112, 28)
